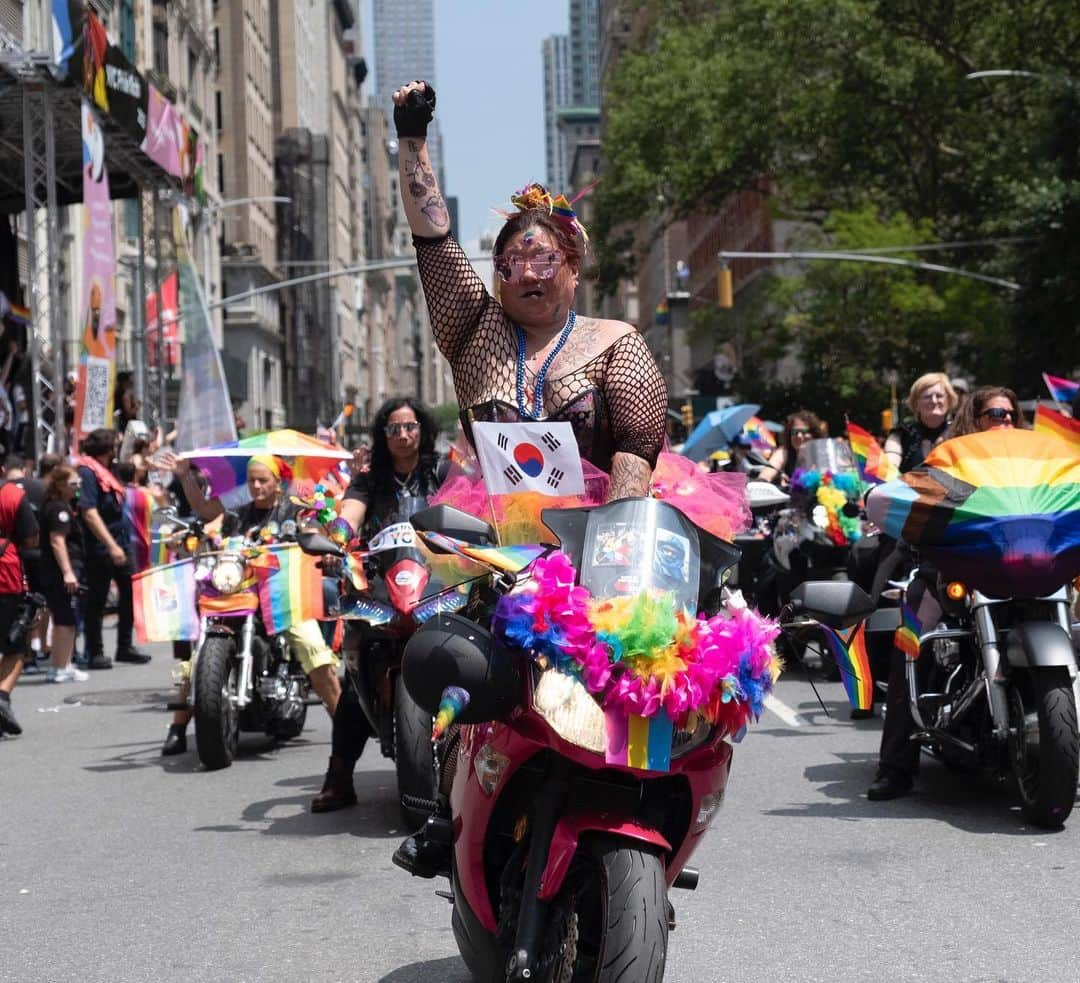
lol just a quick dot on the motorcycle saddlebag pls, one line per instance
(449, 650)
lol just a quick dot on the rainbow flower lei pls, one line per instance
(641, 654)
(832, 491)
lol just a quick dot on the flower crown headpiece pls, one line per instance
(561, 209)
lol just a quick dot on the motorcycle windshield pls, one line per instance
(637, 545)
(826, 454)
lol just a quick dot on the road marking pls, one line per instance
(783, 711)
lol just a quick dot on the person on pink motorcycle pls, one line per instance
(527, 354)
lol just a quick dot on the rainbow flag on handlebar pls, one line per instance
(874, 467)
(164, 602)
(290, 586)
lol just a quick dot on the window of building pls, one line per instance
(127, 29)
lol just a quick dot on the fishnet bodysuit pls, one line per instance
(616, 402)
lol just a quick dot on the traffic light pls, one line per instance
(687, 410)
(886, 420)
(724, 296)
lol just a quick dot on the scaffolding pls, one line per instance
(39, 178)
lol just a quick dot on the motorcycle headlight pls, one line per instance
(570, 710)
(228, 574)
(695, 732)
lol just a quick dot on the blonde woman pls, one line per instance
(933, 402)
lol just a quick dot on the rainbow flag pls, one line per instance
(505, 559)
(19, 314)
(1062, 390)
(164, 600)
(1060, 424)
(760, 435)
(638, 742)
(139, 511)
(663, 313)
(849, 649)
(290, 586)
(874, 467)
(906, 638)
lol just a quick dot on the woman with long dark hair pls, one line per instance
(403, 468)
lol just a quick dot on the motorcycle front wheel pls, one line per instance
(610, 921)
(217, 720)
(1044, 751)
(414, 758)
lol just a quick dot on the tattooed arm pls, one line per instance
(425, 207)
(630, 477)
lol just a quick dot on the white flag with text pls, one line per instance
(538, 457)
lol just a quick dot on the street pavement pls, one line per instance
(119, 865)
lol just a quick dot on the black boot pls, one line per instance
(8, 723)
(337, 791)
(428, 851)
(175, 740)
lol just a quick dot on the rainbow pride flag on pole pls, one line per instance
(849, 649)
(874, 467)
(139, 510)
(164, 600)
(638, 742)
(290, 586)
(906, 638)
(1060, 424)
(1062, 390)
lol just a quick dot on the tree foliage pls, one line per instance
(859, 114)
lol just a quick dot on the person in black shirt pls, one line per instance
(18, 536)
(62, 570)
(108, 550)
(271, 508)
(404, 467)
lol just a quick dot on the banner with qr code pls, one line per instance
(94, 388)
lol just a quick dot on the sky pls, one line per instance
(490, 89)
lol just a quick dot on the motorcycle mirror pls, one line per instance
(316, 543)
(454, 523)
(836, 603)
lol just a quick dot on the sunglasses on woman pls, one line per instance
(801, 432)
(397, 429)
(512, 268)
(997, 414)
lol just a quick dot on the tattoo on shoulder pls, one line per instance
(630, 477)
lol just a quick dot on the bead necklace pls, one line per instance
(407, 486)
(538, 392)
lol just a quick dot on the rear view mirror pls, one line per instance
(317, 543)
(454, 523)
(836, 603)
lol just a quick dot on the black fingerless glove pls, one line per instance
(411, 119)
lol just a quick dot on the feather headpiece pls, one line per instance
(561, 209)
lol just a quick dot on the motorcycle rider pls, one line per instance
(987, 408)
(527, 354)
(800, 428)
(403, 465)
(267, 477)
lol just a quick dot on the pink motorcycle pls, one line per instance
(572, 818)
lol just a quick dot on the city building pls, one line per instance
(584, 43)
(556, 56)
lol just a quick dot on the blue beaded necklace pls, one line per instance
(538, 392)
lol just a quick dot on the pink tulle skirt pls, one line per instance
(715, 502)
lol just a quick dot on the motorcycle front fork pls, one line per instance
(244, 683)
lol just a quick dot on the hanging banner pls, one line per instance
(205, 415)
(171, 317)
(94, 389)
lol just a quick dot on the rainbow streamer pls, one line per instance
(164, 602)
(290, 587)
(504, 559)
(906, 639)
(139, 511)
(638, 742)
(874, 466)
(1057, 423)
(849, 649)
(454, 699)
(1062, 390)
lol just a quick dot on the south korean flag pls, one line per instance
(537, 457)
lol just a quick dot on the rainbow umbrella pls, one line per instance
(225, 465)
(998, 510)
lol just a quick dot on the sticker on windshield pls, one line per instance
(671, 564)
(398, 536)
(617, 544)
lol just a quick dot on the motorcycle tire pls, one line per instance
(414, 757)
(1045, 773)
(217, 720)
(610, 922)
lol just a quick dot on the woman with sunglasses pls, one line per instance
(987, 408)
(800, 428)
(403, 468)
(527, 354)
